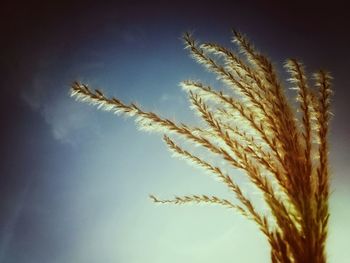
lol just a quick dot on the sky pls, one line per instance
(74, 182)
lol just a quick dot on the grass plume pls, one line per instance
(257, 130)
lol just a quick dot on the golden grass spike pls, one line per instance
(235, 146)
(323, 82)
(257, 132)
(247, 114)
(201, 199)
(285, 117)
(181, 153)
(245, 73)
(299, 81)
(222, 74)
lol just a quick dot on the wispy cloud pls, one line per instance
(49, 97)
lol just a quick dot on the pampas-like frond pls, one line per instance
(200, 199)
(257, 131)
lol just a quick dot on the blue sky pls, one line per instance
(75, 181)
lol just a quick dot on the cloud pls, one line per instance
(35, 96)
(70, 122)
(171, 98)
(165, 97)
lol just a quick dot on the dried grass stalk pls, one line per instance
(258, 131)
